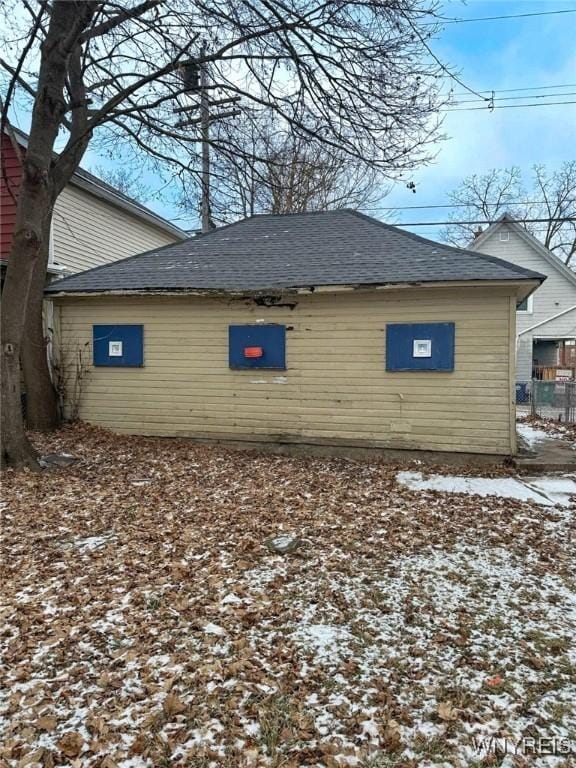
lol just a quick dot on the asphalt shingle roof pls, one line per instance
(294, 251)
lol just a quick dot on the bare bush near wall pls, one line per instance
(70, 368)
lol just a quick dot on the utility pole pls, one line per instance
(195, 76)
(205, 130)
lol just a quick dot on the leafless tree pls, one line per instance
(127, 180)
(356, 77)
(550, 196)
(282, 173)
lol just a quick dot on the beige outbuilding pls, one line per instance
(328, 328)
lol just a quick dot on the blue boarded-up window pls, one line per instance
(257, 346)
(420, 346)
(118, 345)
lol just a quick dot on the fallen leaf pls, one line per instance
(173, 705)
(139, 745)
(71, 744)
(107, 763)
(46, 723)
(104, 680)
(391, 736)
(446, 711)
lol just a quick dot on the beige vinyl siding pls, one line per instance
(88, 232)
(335, 388)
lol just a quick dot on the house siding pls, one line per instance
(12, 173)
(553, 297)
(88, 232)
(335, 388)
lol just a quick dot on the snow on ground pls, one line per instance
(532, 435)
(537, 430)
(547, 491)
(149, 625)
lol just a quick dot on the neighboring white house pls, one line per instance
(546, 321)
(93, 223)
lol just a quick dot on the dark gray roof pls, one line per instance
(294, 251)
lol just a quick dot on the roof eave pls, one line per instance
(525, 285)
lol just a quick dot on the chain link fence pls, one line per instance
(547, 399)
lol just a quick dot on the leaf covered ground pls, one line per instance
(145, 621)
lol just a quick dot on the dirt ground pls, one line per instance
(147, 620)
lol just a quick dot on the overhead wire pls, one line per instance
(448, 205)
(516, 98)
(525, 88)
(562, 219)
(492, 108)
(441, 20)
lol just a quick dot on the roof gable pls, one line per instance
(547, 257)
(295, 251)
(95, 186)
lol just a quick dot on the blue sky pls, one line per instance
(504, 54)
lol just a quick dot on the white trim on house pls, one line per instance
(529, 306)
(51, 245)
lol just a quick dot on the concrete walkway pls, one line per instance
(539, 451)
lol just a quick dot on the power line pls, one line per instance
(508, 106)
(442, 20)
(516, 98)
(515, 90)
(449, 205)
(563, 219)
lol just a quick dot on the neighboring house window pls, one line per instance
(504, 236)
(526, 306)
(119, 346)
(420, 346)
(257, 346)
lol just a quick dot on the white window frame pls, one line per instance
(529, 306)
(504, 236)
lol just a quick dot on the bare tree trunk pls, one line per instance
(35, 203)
(41, 401)
(16, 448)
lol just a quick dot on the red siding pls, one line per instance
(10, 168)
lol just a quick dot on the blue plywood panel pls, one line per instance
(118, 345)
(433, 351)
(267, 340)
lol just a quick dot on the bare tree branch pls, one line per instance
(551, 197)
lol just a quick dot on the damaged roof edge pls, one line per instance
(531, 286)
